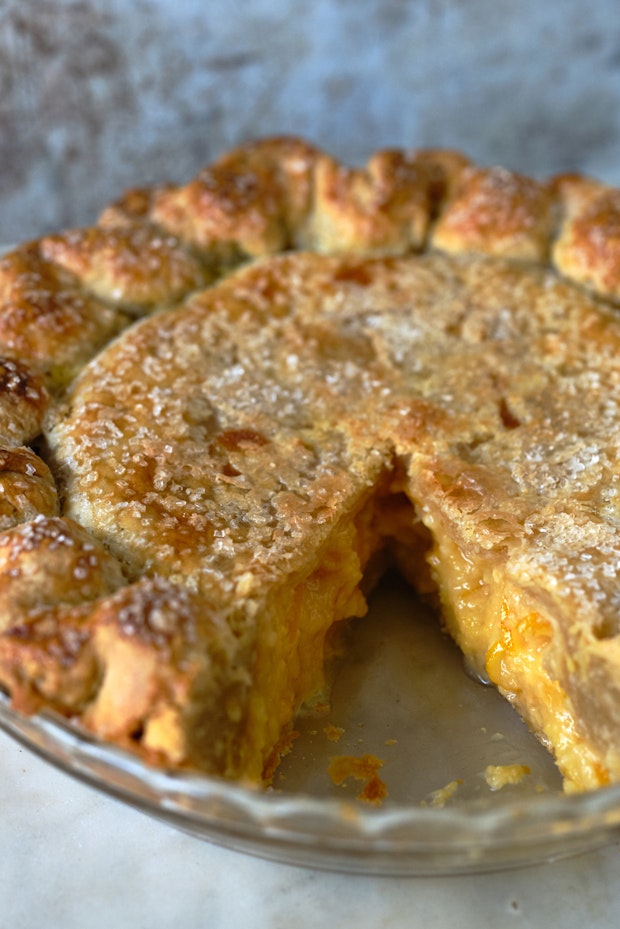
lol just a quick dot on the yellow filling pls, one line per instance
(516, 664)
(504, 640)
(507, 642)
(296, 637)
(292, 648)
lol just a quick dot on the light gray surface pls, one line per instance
(73, 858)
(98, 95)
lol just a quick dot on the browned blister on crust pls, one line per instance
(288, 164)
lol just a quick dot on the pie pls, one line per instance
(230, 405)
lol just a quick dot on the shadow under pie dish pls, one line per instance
(230, 405)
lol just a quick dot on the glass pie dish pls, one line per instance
(468, 787)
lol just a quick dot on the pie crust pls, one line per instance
(229, 405)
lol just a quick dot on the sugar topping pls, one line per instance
(215, 441)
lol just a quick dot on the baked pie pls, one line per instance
(229, 405)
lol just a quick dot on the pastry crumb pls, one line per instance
(333, 733)
(439, 797)
(282, 748)
(499, 775)
(362, 768)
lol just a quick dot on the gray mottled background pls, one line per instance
(99, 95)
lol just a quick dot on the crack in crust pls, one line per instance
(317, 340)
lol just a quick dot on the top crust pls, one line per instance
(418, 326)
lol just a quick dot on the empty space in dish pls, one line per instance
(402, 695)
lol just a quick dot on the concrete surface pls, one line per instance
(98, 95)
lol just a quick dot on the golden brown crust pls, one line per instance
(445, 167)
(588, 249)
(279, 193)
(221, 465)
(50, 561)
(133, 207)
(132, 664)
(248, 203)
(47, 659)
(382, 209)
(48, 320)
(27, 487)
(158, 648)
(494, 211)
(23, 402)
(136, 267)
(284, 163)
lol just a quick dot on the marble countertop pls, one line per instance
(73, 857)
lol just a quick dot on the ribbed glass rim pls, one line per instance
(331, 834)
